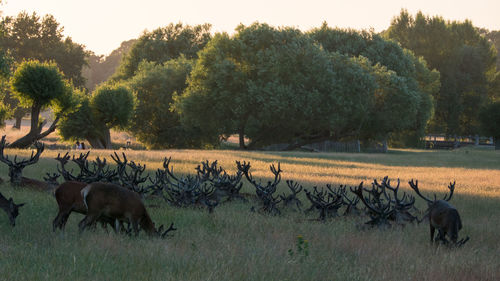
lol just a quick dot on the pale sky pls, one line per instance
(101, 25)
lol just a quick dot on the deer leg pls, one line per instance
(135, 226)
(88, 220)
(432, 233)
(61, 219)
(57, 222)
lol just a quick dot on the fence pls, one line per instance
(442, 142)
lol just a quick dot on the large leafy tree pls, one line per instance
(164, 44)
(110, 106)
(29, 36)
(465, 60)
(38, 86)
(402, 102)
(275, 85)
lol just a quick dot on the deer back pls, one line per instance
(68, 196)
(443, 215)
(116, 202)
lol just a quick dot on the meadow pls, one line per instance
(233, 243)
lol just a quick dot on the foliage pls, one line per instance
(278, 85)
(110, 106)
(154, 122)
(301, 251)
(29, 37)
(80, 124)
(403, 101)
(465, 59)
(493, 37)
(257, 82)
(40, 85)
(490, 118)
(5, 64)
(164, 44)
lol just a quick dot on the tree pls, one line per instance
(490, 118)
(40, 85)
(465, 60)
(28, 37)
(402, 103)
(110, 106)
(154, 122)
(164, 44)
(273, 85)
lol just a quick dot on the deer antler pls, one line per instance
(414, 186)
(164, 234)
(451, 187)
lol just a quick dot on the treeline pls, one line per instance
(180, 86)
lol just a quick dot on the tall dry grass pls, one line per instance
(234, 243)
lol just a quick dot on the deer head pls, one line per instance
(16, 167)
(11, 208)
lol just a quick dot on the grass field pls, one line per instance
(235, 244)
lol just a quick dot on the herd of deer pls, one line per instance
(114, 197)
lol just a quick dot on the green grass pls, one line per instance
(236, 244)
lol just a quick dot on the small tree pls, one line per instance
(490, 120)
(38, 86)
(110, 106)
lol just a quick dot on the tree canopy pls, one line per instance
(110, 106)
(154, 122)
(164, 44)
(30, 37)
(278, 85)
(39, 85)
(465, 60)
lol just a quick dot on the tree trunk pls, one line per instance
(241, 134)
(95, 143)
(19, 113)
(35, 132)
(17, 124)
(107, 139)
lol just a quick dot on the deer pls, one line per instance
(16, 167)
(442, 216)
(11, 208)
(120, 204)
(69, 199)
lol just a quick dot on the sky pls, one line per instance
(101, 25)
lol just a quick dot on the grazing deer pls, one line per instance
(442, 216)
(69, 199)
(118, 203)
(11, 208)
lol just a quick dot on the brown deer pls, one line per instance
(118, 203)
(442, 216)
(11, 208)
(69, 199)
